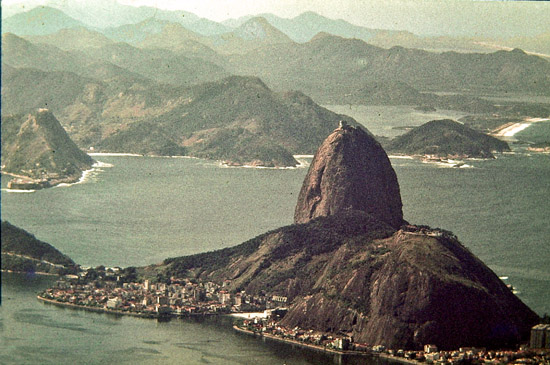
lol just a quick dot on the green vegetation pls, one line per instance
(22, 252)
(36, 146)
(238, 119)
(446, 138)
(143, 138)
(320, 236)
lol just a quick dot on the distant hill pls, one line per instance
(110, 14)
(39, 21)
(89, 108)
(254, 33)
(22, 252)
(135, 32)
(447, 138)
(329, 68)
(73, 39)
(537, 44)
(19, 52)
(306, 25)
(38, 152)
(390, 92)
(161, 65)
(237, 119)
(175, 38)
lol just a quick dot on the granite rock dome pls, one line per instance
(350, 171)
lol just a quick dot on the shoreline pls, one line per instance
(511, 129)
(294, 342)
(325, 349)
(235, 327)
(35, 185)
(444, 162)
(41, 273)
(96, 309)
(221, 163)
(148, 315)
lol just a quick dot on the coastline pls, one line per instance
(41, 273)
(443, 162)
(96, 309)
(325, 349)
(294, 342)
(301, 159)
(236, 328)
(150, 315)
(511, 129)
(93, 154)
(34, 185)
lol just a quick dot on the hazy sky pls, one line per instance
(420, 16)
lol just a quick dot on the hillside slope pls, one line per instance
(37, 150)
(447, 138)
(22, 252)
(237, 119)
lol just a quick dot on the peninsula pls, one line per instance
(352, 265)
(22, 252)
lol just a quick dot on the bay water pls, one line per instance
(133, 211)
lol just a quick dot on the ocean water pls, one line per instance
(35, 333)
(140, 210)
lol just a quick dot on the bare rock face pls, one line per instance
(350, 171)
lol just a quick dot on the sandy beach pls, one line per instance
(509, 130)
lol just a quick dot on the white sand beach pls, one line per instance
(512, 129)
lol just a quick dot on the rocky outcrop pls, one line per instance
(352, 273)
(37, 151)
(351, 264)
(350, 171)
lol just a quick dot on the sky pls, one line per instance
(424, 17)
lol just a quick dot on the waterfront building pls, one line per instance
(113, 303)
(429, 349)
(540, 336)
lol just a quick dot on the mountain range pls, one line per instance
(329, 68)
(112, 17)
(176, 82)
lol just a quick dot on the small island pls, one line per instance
(38, 153)
(446, 139)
